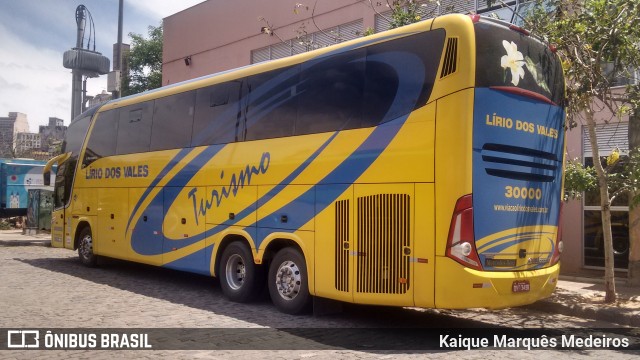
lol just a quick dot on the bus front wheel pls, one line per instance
(241, 279)
(288, 282)
(85, 248)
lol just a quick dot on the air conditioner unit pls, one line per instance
(113, 81)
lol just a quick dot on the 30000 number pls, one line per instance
(522, 193)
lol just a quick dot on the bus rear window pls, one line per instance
(510, 58)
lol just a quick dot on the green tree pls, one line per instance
(144, 62)
(598, 40)
(405, 12)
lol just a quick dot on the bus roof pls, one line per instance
(252, 69)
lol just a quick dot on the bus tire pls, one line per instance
(85, 248)
(240, 278)
(288, 282)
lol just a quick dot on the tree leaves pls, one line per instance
(144, 62)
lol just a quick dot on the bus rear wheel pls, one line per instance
(85, 248)
(240, 278)
(288, 282)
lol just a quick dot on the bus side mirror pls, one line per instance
(48, 167)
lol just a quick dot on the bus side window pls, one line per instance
(173, 121)
(272, 99)
(216, 114)
(102, 141)
(331, 93)
(134, 128)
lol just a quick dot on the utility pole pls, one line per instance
(114, 83)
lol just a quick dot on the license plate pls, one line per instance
(520, 286)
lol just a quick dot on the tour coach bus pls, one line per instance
(416, 167)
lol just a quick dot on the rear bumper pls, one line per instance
(458, 287)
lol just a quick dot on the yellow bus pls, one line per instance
(416, 167)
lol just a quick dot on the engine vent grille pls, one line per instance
(342, 245)
(383, 229)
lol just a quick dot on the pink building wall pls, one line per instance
(219, 35)
(573, 210)
(572, 218)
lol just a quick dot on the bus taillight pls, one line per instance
(461, 244)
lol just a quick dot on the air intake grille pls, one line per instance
(450, 62)
(342, 245)
(383, 238)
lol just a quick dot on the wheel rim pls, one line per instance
(86, 247)
(235, 271)
(288, 280)
(619, 247)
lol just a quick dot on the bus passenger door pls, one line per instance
(57, 227)
(383, 217)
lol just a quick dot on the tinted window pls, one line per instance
(400, 75)
(217, 113)
(331, 93)
(75, 135)
(134, 128)
(173, 121)
(352, 89)
(102, 141)
(542, 68)
(272, 104)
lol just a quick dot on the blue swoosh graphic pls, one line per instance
(144, 245)
(141, 241)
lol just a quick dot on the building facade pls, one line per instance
(10, 126)
(26, 142)
(101, 98)
(52, 135)
(582, 224)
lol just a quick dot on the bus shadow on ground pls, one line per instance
(357, 327)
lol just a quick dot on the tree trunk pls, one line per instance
(633, 278)
(605, 204)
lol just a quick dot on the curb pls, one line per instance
(592, 280)
(599, 314)
(8, 243)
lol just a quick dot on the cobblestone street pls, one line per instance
(43, 287)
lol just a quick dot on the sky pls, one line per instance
(34, 34)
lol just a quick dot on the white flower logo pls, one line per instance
(513, 61)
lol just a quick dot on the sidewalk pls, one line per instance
(579, 297)
(584, 298)
(16, 238)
